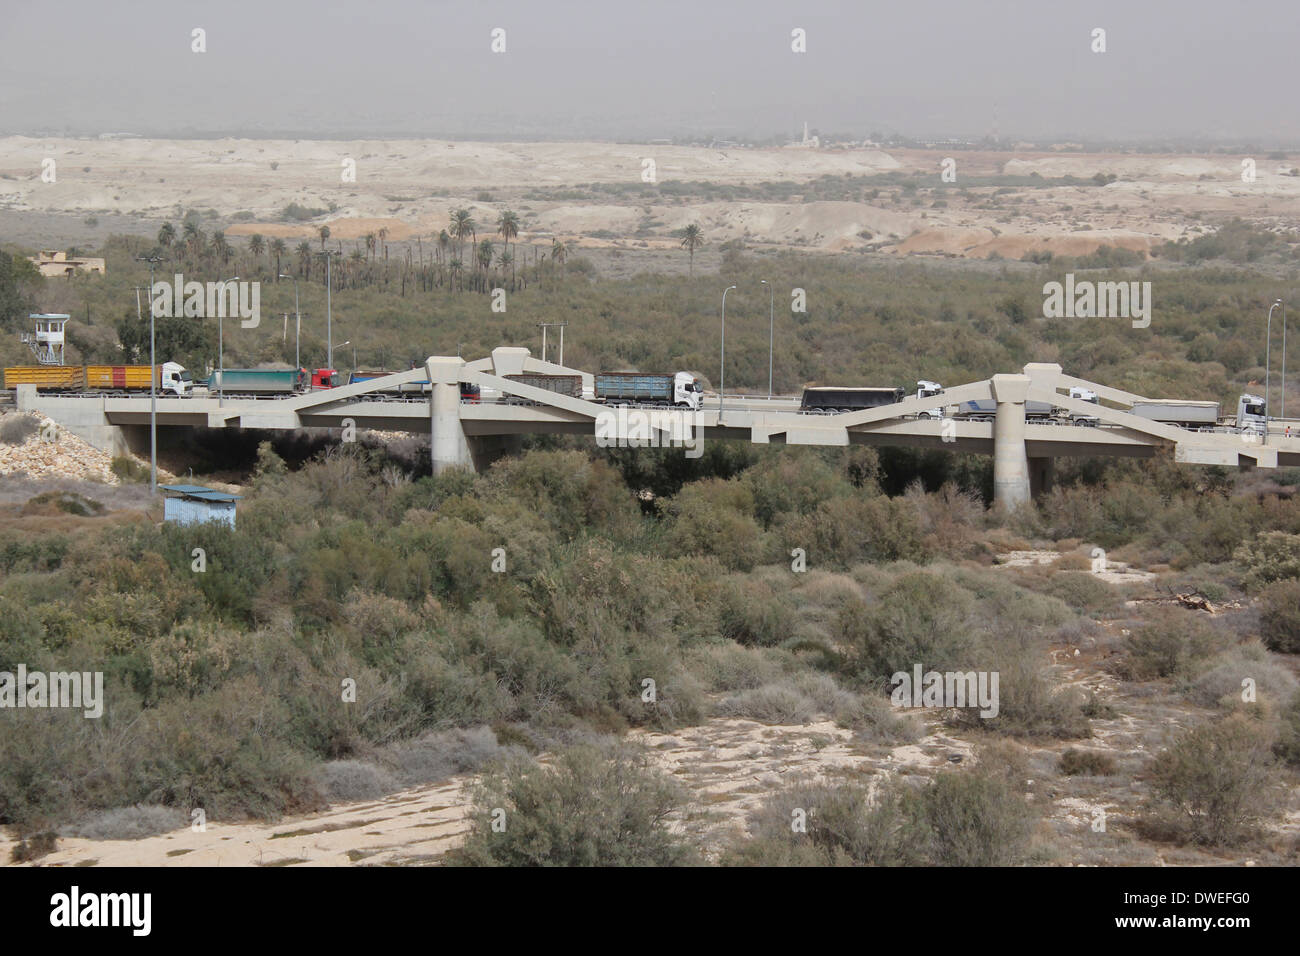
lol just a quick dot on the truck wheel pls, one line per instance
(924, 416)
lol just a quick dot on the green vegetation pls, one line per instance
(972, 818)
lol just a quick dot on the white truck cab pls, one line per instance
(928, 389)
(176, 380)
(1252, 414)
(1084, 395)
(687, 391)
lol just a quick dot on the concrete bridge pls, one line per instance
(465, 433)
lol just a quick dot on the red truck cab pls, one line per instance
(324, 378)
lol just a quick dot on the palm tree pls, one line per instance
(559, 251)
(462, 228)
(167, 235)
(304, 259)
(220, 248)
(692, 239)
(194, 238)
(370, 245)
(383, 239)
(456, 268)
(278, 249)
(485, 256)
(256, 245)
(324, 234)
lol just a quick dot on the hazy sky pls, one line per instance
(608, 68)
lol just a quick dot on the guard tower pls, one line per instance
(47, 342)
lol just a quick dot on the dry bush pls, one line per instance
(1086, 763)
(1213, 783)
(128, 823)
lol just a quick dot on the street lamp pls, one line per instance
(771, 333)
(1268, 341)
(297, 335)
(354, 354)
(221, 348)
(722, 374)
(153, 394)
(1283, 360)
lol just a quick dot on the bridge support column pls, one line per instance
(1011, 487)
(1041, 474)
(448, 447)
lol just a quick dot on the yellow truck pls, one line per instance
(168, 378)
(54, 378)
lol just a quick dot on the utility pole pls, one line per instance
(329, 309)
(722, 373)
(771, 333)
(153, 371)
(297, 337)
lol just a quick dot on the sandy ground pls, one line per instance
(727, 766)
(408, 188)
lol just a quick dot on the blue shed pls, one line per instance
(194, 504)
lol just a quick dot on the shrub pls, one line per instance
(1086, 763)
(62, 502)
(600, 805)
(920, 619)
(16, 429)
(974, 818)
(129, 823)
(1221, 683)
(129, 470)
(1279, 616)
(819, 824)
(1272, 556)
(1288, 741)
(1214, 778)
(341, 781)
(34, 847)
(773, 704)
(749, 612)
(1170, 644)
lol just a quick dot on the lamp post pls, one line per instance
(1283, 360)
(221, 349)
(722, 373)
(297, 335)
(153, 393)
(771, 333)
(1268, 341)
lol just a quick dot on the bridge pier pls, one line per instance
(448, 447)
(1011, 475)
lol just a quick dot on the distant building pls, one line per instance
(53, 263)
(808, 142)
(194, 504)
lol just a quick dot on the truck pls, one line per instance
(1251, 416)
(1042, 413)
(570, 385)
(406, 388)
(681, 389)
(928, 389)
(833, 399)
(257, 381)
(170, 378)
(1181, 413)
